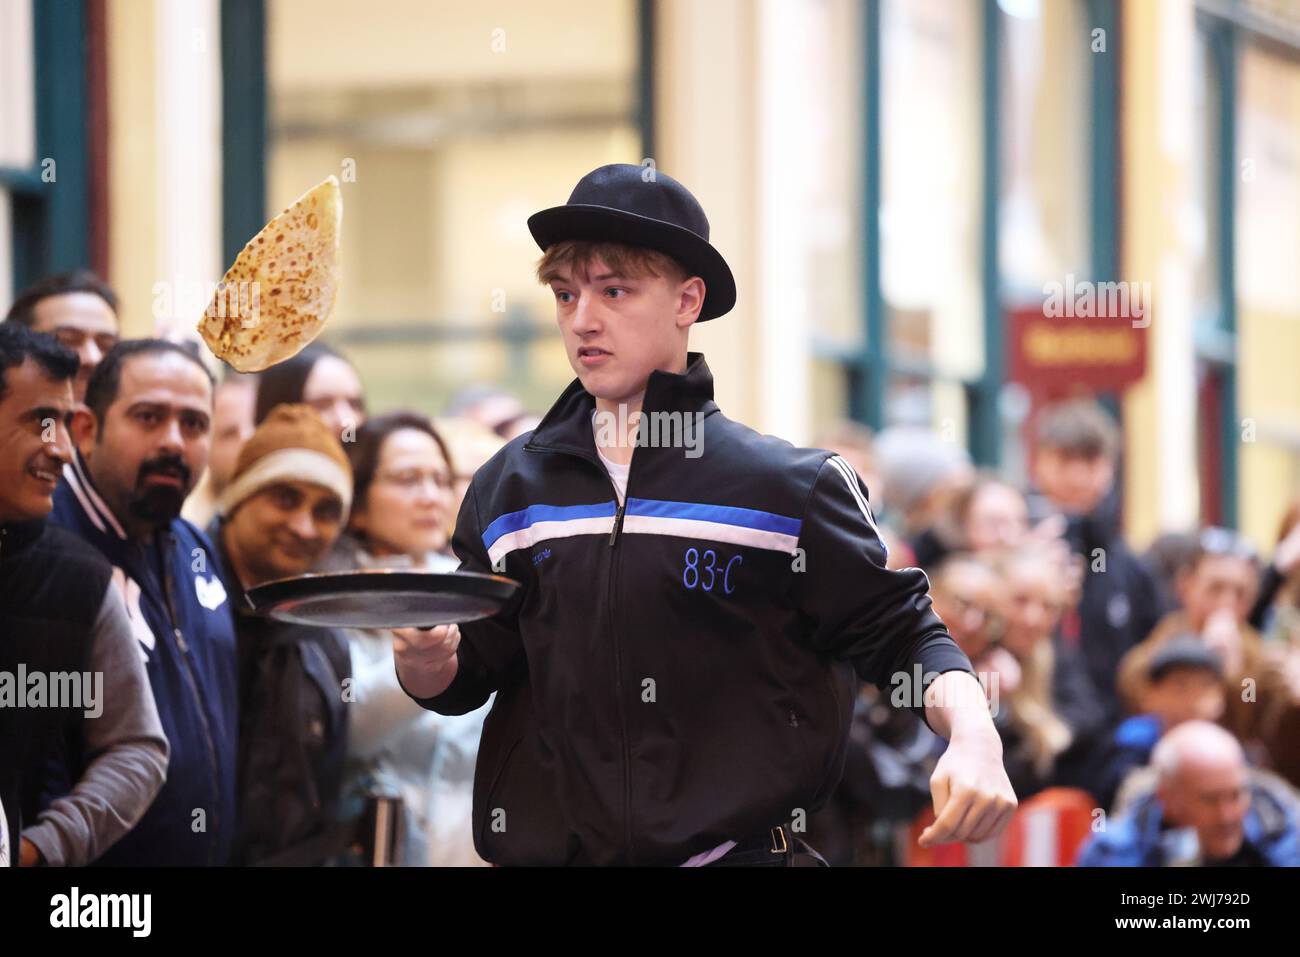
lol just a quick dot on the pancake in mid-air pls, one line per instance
(281, 290)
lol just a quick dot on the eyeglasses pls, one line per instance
(965, 605)
(408, 480)
(74, 339)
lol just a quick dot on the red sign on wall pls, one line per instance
(1071, 342)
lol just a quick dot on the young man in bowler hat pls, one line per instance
(674, 678)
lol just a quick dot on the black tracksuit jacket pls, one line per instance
(675, 672)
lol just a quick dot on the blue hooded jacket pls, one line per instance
(182, 617)
(1139, 838)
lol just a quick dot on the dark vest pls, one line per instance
(52, 586)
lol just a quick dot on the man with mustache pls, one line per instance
(60, 614)
(142, 439)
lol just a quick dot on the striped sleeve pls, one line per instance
(879, 619)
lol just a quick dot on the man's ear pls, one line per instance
(85, 425)
(690, 301)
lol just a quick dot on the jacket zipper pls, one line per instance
(618, 520)
(184, 648)
(618, 671)
(618, 657)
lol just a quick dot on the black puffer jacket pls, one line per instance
(51, 586)
(669, 667)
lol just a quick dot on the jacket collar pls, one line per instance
(567, 426)
(92, 505)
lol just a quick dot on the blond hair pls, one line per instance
(1032, 713)
(577, 255)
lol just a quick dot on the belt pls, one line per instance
(775, 847)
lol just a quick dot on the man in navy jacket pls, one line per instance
(142, 441)
(674, 679)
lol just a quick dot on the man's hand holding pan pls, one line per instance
(426, 658)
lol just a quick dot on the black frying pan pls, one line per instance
(383, 598)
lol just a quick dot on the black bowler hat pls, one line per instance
(641, 206)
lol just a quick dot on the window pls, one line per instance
(930, 210)
(1247, 243)
(1044, 196)
(17, 139)
(1268, 294)
(448, 125)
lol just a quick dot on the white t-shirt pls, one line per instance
(617, 473)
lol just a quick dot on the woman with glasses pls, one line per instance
(402, 502)
(970, 594)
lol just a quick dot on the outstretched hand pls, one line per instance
(973, 797)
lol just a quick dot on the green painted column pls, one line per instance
(62, 143)
(869, 377)
(985, 420)
(1224, 46)
(243, 123)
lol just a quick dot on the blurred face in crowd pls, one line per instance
(408, 504)
(964, 597)
(1217, 582)
(1209, 792)
(997, 518)
(517, 427)
(334, 391)
(146, 455)
(1075, 484)
(281, 531)
(495, 411)
(84, 323)
(618, 328)
(928, 509)
(1032, 602)
(34, 413)
(1185, 694)
(232, 423)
